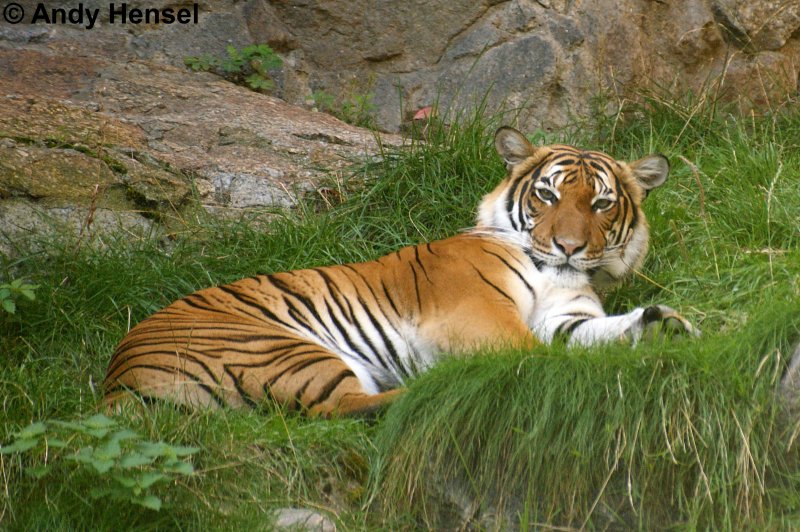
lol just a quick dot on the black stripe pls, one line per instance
(268, 393)
(335, 292)
(539, 264)
(416, 257)
(386, 341)
(594, 163)
(362, 333)
(237, 383)
(511, 199)
(330, 387)
(172, 324)
(298, 397)
(300, 318)
(170, 353)
(247, 352)
(523, 199)
(181, 341)
(344, 332)
(375, 297)
(569, 176)
(355, 322)
(364, 336)
(510, 267)
(281, 285)
(565, 333)
(389, 298)
(206, 307)
(177, 351)
(252, 304)
(626, 206)
(416, 286)
(497, 288)
(300, 366)
(273, 362)
(191, 299)
(275, 378)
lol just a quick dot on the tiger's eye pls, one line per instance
(601, 204)
(546, 195)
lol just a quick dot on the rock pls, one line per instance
(24, 224)
(53, 174)
(96, 137)
(302, 520)
(790, 384)
(759, 26)
(409, 56)
(548, 59)
(112, 117)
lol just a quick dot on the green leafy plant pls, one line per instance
(127, 467)
(324, 101)
(356, 109)
(249, 66)
(10, 292)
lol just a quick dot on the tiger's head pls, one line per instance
(578, 213)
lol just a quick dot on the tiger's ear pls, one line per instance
(651, 171)
(512, 145)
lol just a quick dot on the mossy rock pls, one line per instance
(43, 120)
(56, 177)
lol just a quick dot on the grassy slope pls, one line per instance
(678, 434)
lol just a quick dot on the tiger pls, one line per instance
(345, 339)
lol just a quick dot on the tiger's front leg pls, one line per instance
(586, 324)
(634, 326)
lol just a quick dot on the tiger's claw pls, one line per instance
(661, 321)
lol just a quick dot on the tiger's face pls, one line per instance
(578, 212)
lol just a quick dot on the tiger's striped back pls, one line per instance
(308, 338)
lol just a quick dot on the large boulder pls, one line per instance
(93, 144)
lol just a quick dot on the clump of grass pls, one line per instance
(669, 433)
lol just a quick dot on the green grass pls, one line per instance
(682, 434)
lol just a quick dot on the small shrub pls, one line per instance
(10, 292)
(356, 109)
(324, 101)
(126, 467)
(249, 66)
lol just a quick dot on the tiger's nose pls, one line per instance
(568, 246)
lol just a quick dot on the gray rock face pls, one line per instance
(543, 58)
(110, 118)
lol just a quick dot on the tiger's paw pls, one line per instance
(660, 321)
